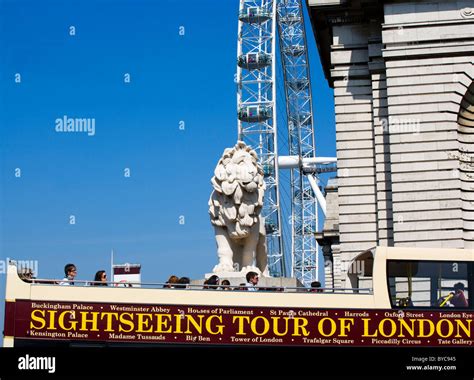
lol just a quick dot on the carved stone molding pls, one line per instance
(467, 13)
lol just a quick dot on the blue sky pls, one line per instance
(173, 78)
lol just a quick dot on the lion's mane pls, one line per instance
(238, 193)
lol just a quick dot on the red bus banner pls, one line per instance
(216, 325)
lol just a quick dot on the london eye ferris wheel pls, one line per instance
(275, 117)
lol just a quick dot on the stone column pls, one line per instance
(354, 141)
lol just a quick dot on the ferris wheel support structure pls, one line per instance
(257, 126)
(257, 121)
(294, 59)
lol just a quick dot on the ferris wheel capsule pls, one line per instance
(252, 61)
(255, 114)
(254, 15)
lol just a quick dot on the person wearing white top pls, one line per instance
(252, 281)
(70, 271)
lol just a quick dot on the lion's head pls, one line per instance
(238, 193)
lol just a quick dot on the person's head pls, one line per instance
(70, 271)
(213, 281)
(183, 282)
(458, 287)
(225, 284)
(101, 276)
(172, 281)
(252, 278)
(316, 287)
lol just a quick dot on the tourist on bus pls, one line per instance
(100, 278)
(172, 281)
(454, 299)
(459, 299)
(225, 285)
(316, 287)
(405, 302)
(70, 272)
(183, 283)
(252, 281)
(212, 282)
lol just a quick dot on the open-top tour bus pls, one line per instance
(395, 296)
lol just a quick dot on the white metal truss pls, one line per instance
(256, 100)
(257, 126)
(294, 58)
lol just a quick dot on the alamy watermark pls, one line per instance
(78, 125)
(400, 125)
(32, 363)
(355, 267)
(22, 266)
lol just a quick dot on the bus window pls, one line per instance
(429, 284)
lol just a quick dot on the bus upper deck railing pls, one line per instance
(190, 287)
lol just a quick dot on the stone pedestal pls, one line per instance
(237, 278)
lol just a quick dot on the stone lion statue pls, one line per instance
(234, 207)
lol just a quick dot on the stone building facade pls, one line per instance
(402, 73)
